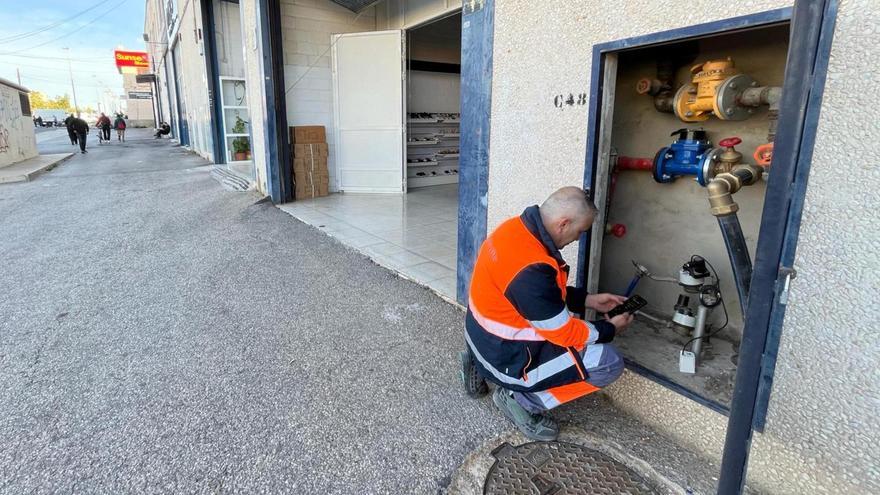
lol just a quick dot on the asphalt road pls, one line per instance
(160, 334)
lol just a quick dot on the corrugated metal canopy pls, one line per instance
(355, 5)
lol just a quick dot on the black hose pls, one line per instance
(738, 252)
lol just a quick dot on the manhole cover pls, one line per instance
(557, 468)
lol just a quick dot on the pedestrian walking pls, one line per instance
(82, 131)
(119, 125)
(71, 132)
(104, 125)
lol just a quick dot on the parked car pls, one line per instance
(51, 117)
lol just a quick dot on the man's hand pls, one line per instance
(621, 321)
(604, 303)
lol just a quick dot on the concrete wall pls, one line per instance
(822, 411)
(17, 140)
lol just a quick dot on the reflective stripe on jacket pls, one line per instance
(519, 323)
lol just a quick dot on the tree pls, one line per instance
(41, 101)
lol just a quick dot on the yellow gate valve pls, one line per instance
(696, 101)
(718, 88)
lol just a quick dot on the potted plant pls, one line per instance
(241, 148)
(240, 126)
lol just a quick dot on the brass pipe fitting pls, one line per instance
(720, 198)
(730, 157)
(723, 186)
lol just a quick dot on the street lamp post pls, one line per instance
(72, 87)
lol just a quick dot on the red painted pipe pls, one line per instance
(630, 163)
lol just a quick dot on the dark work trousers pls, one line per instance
(81, 137)
(72, 135)
(106, 131)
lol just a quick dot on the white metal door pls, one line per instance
(368, 96)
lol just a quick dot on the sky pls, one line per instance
(100, 26)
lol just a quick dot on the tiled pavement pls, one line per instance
(414, 234)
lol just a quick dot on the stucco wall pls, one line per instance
(826, 392)
(17, 140)
(822, 412)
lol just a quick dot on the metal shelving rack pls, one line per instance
(427, 138)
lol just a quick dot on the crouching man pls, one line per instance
(520, 330)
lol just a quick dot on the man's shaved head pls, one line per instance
(568, 201)
(566, 214)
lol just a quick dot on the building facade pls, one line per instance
(138, 101)
(177, 57)
(528, 98)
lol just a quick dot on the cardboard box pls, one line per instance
(310, 150)
(318, 164)
(309, 185)
(304, 193)
(303, 179)
(307, 134)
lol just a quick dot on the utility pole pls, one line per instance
(98, 84)
(18, 75)
(72, 87)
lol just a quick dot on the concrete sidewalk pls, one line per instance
(161, 334)
(29, 169)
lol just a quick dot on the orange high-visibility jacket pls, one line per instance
(520, 327)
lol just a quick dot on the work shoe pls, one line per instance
(534, 426)
(474, 384)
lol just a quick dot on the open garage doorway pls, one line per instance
(394, 148)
